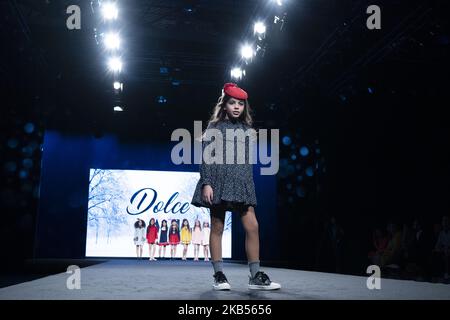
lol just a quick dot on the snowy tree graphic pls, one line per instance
(105, 199)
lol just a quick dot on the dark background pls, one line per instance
(369, 105)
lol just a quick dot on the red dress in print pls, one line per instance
(174, 236)
(152, 234)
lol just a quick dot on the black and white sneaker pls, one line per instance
(261, 281)
(220, 281)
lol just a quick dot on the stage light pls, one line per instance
(293, 157)
(112, 41)
(309, 171)
(29, 127)
(286, 140)
(304, 151)
(23, 174)
(110, 11)
(259, 28)
(247, 52)
(118, 109)
(370, 90)
(279, 2)
(237, 73)
(161, 99)
(115, 64)
(118, 85)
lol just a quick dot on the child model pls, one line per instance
(139, 237)
(197, 238)
(229, 186)
(186, 237)
(174, 238)
(163, 241)
(205, 239)
(152, 238)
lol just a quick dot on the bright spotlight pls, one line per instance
(115, 64)
(118, 85)
(247, 52)
(110, 11)
(237, 73)
(259, 28)
(118, 109)
(279, 2)
(112, 41)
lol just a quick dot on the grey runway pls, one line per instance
(189, 280)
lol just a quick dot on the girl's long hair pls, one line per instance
(219, 113)
(199, 225)
(182, 224)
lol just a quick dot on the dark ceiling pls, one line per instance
(320, 49)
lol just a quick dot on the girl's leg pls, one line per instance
(140, 251)
(215, 237)
(159, 252)
(206, 252)
(250, 224)
(196, 247)
(150, 251)
(259, 280)
(137, 251)
(184, 251)
(164, 252)
(154, 249)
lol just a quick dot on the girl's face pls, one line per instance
(185, 223)
(140, 223)
(197, 223)
(206, 225)
(164, 223)
(152, 221)
(234, 108)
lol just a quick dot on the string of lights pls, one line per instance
(106, 34)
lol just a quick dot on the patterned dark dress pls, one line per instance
(232, 184)
(163, 241)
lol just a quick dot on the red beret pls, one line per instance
(234, 91)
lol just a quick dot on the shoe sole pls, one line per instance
(222, 287)
(256, 287)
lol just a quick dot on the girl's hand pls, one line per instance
(207, 193)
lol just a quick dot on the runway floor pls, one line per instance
(189, 280)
